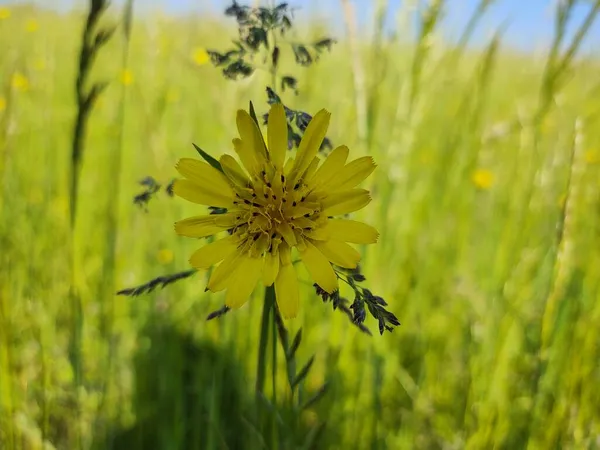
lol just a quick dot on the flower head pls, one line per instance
(4, 13)
(200, 56)
(274, 207)
(483, 178)
(19, 82)
(2, 104)
(126, 77)
(31, 26)
(165, 256)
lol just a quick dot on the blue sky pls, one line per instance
(530, 22)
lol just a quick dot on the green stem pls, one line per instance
(261, 365)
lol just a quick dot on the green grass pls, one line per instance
(497, 288)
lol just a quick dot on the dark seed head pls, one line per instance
(294, 204)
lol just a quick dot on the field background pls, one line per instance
(487, 197)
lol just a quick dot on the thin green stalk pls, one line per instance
(261, 364)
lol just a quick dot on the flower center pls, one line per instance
(271, 211)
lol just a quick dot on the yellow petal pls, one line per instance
(214, 252)
(319, 268)
(310, 143)
(201, 194)
(312, 168)
(287, 168)
(345, 202)
(339, 253)
(352, 174)
(330, 167)
(351, 231)
(251, 135)
(286, 291)
(202, 173)
(318, 234)
(198, 226)
(271, 268)
(234, 171)
(247, 274)
(277, 135)
(246, 154)
(286, 231)
(221, 276)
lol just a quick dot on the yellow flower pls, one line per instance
(31, 26)
(126, 77)
(19, 82)
(592, 157)
(39, 64)
(2, 104)
(165, 256)
(4, 13)
(200, 56)
(483, 178)
(274, 207)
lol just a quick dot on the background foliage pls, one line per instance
(487, 197)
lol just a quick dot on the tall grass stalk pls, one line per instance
(91, 42)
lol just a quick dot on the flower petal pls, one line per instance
(202, 173)
(345, 202)
(310, 144)
(221, 276)
(286, 291)
(286, 231)
(353, 173)
(330, 167)
(339, 253)
(271, 268)
(246, 154)
(251, 135)
(287, 168)
(319, 268)
(234, 171)
(351, 231)
(247, 274)
(202, 226)
(277, 135)
(201, 194)
(312, 168)
(214, 252)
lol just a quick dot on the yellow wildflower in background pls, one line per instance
(592, 157)
(483, 178)
(2, 104)
(4, 13)
(31, 26)
(126, 77)
(165, 256)
(275, 206)
(39, 64)
(19, 82)
(200, 56)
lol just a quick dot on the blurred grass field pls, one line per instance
(486, 195)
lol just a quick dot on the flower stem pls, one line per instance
(261, 365)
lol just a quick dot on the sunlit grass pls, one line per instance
(488, 253)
